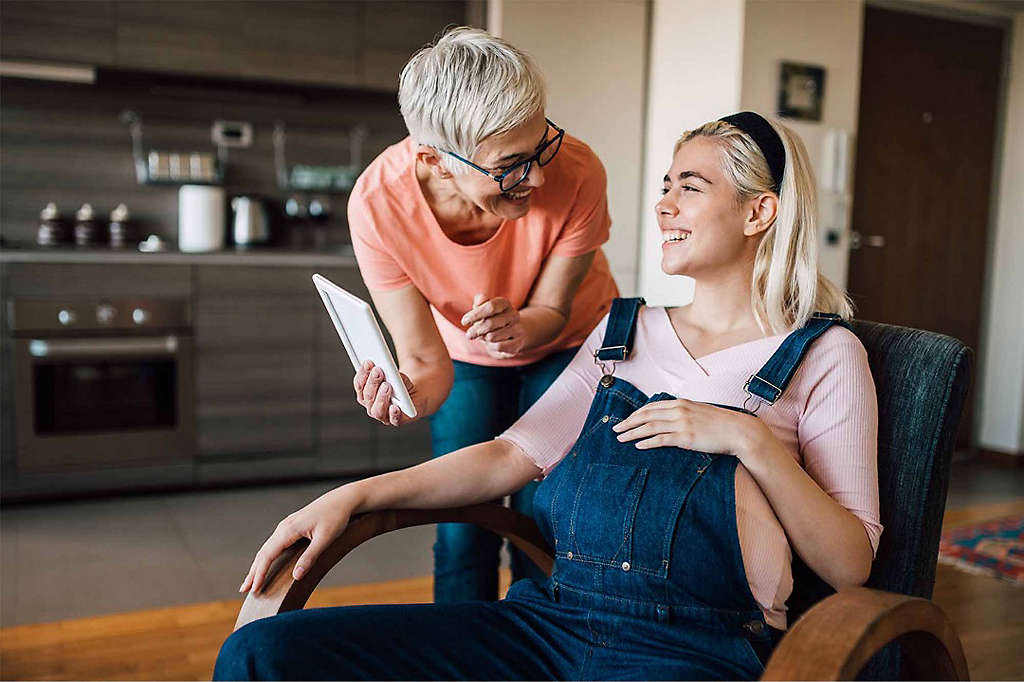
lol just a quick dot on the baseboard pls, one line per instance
(1000, 458)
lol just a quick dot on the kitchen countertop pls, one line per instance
(335, 256)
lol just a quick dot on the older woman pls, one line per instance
(672, 510)
(479, 238)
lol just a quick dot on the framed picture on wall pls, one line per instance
(801, 91)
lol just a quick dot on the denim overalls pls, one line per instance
(651, 534)
(648, 583)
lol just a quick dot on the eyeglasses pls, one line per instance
(515, 174)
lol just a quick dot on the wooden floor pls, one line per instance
(181, 643)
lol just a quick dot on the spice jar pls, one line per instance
(87, 228)
(122, 230)
(53, 229)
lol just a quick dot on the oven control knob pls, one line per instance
(66, 317)
(105, 313)
(140, 316)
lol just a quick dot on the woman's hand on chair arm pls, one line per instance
(472, 475)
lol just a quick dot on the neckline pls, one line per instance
(435, 226)
(703, 360)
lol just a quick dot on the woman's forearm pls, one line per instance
(432, 381)
(474, 474)
(827, 536)
(542, 324)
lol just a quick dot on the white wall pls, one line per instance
(696, 58)
(824, 33)
(593, 57)
(1000, 378)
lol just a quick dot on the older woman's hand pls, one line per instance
(497, 324)
(374, 393)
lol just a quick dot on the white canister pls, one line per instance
(201, 218)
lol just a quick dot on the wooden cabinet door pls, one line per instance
(393, 30)
(71, 31)
(254, 333)
(303, 42)
(191, 36)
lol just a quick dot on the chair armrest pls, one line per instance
(837, 636)
(283, 593)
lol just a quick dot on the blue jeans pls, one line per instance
(535, 634)
(484, 401)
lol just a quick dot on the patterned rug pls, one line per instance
(993, 548)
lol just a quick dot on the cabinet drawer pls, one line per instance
(53, 279)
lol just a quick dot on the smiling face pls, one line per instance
(705, 228)
(496, 154)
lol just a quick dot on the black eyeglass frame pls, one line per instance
(500, 178)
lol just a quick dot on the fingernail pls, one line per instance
(241, 587)
(621, 437)
(299, 570)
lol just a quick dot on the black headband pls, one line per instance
(766, 139)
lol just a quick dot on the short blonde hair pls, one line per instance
(787, 287)
(466, 87)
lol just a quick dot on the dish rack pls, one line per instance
(318, 178)
(160, 167)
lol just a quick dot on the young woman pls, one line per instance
(479, 239)
(686, 453)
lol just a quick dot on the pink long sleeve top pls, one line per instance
(827, 418)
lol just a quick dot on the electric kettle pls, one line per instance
(250, 224)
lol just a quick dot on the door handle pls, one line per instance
(90, 348)
(857, 240)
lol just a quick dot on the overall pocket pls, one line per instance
(603, 513)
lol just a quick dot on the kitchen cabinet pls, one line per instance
(305, 42)
(66, 31)
(272, 382)
(352, 44)
(393, 30)
(254, 334)
(192, 36)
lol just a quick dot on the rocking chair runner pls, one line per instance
(922, 380)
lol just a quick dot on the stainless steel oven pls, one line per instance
(102, 383)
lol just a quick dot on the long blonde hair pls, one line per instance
(787, 286)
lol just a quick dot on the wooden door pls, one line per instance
(924, 158)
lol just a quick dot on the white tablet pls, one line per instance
(362, 338)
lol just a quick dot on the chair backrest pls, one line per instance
(922, 380)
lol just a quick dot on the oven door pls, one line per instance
(103, 402)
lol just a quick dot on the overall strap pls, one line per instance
(618, 337)
(771, 380)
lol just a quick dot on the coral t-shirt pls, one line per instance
(398, 242)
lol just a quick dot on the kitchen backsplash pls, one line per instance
(64, 143)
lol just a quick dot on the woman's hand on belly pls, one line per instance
(690, 425)
(374, 393)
